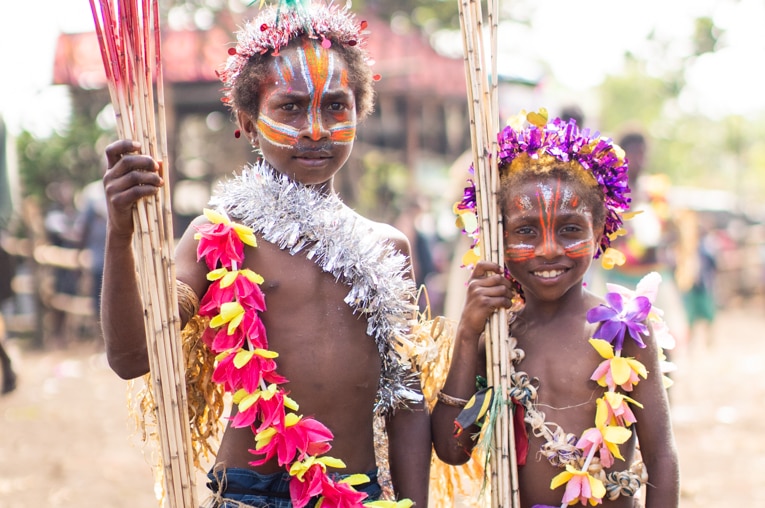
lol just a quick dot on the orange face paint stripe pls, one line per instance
(277, 133)
(317, 64)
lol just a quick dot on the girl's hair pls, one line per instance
(245, 90)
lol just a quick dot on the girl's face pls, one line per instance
(549, 237)
(307, 119)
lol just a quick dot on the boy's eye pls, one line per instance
(336, 106)
(290, 106)
(524, 230)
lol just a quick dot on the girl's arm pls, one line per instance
(654, 430)
(487, 291)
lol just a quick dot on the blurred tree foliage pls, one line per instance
(74, 154)
(693, 149)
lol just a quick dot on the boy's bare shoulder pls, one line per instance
(386, 232)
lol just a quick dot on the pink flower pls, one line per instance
(264, 406)
(619, 411)
(580, 486)
(246, 369)
(340, 495)
(219, 243)
(310, 484)
(299, 437)
(593, 438)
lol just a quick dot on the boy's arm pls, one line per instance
(654, 430)
(129, 177)
(409, 453)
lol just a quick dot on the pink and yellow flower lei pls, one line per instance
(247, 369)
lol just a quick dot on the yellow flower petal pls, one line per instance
(252, 276)
(620, 370)
(339, 464)
(561, 479)
(291, 419)
(290, 404)
(631, 215)
(265, 353)
(245, 234)
(264, 437)
(538, 118)
(242, 357)
(638, 367)
(616, 434)
(354, 479)
(248, 401)
(215, 217)
(471, 257)
(603, 347)
(601, 413)
(216, 274)
(611, 258)
(597, 489)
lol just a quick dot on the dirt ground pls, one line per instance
(65, 438)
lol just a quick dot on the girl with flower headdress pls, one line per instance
(306, 300)
(590, 410)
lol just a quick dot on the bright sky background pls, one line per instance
(581, 41)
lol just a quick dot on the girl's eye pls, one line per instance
(524, 230)
(290, 106)
(336, 106)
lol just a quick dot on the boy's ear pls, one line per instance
(247, 125)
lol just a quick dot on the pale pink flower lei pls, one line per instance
(586, 458)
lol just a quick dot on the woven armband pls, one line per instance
(188, 301)
(451, 401)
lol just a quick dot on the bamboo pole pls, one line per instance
(129, 40)
(482, 90)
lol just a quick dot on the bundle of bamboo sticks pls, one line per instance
(482, 90)
(129, 38)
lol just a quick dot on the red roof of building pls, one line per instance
(407, 63)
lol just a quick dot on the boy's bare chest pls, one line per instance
(308, 322)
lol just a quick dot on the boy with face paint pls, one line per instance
(334, 288)
(562, 195)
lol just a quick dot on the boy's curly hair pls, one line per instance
(260, 40)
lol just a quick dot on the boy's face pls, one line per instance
(307, 119)
(549, 238)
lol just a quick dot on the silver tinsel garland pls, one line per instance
(298, 219)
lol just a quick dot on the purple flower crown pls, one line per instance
(559, 141)
(276, 26)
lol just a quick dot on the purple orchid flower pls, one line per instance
(620, 315)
